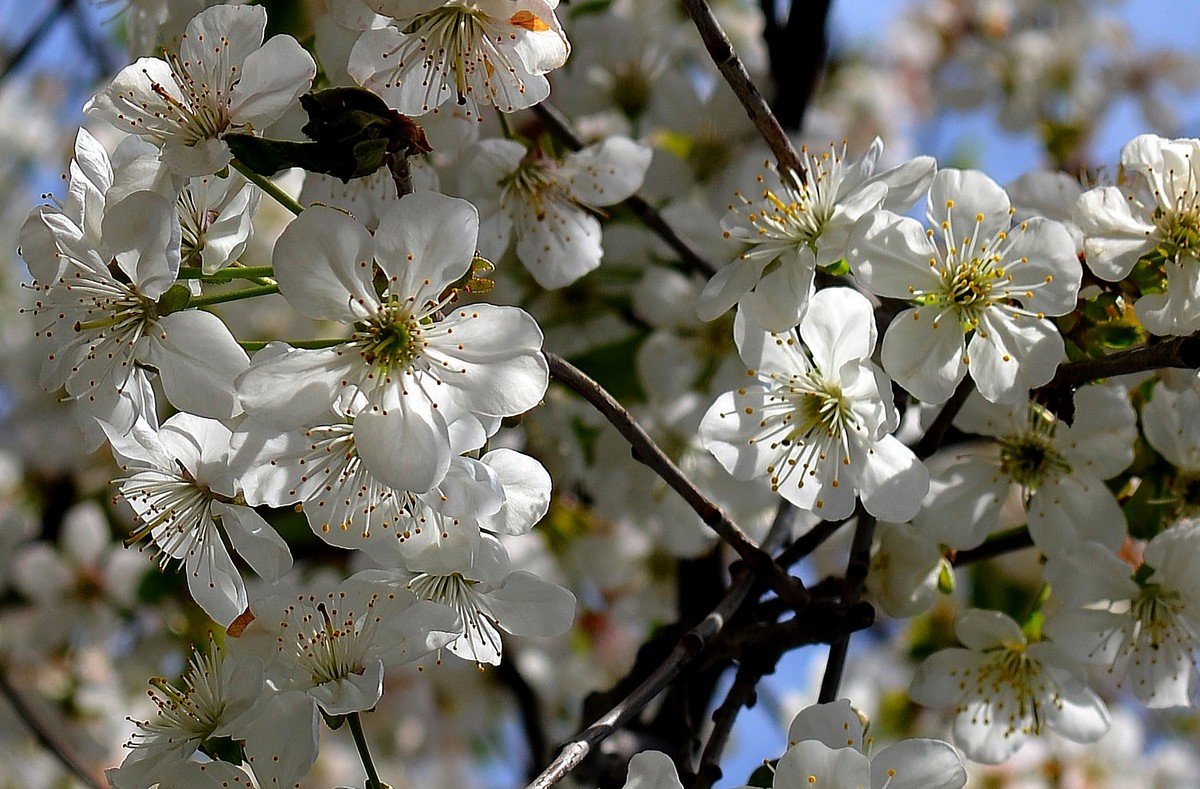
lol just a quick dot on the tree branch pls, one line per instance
(797, 51)
(1008, 542)
(720, 49)
(639, 205)
(48, 735)
(936, 432)
(692, 643)
(856, 577)
(35, 37)
(1182, 352)
(742, 693)
(652, 456)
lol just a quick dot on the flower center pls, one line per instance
(194, 711)
(821, 409)
(204, 113)
(631, 89)
(1157, 611)
(967, 287)
(1028, 459)
(456, 39)
(536, 182)
(798, 213)
(1031, 456)
(1179, 228)
(330, 644)
(390, 341)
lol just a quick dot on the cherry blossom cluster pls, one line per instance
(913, 354)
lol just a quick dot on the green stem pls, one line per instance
(269, 186)
(233, 295)
(360, 742)
(258, 345)
(226, 274)
(506, 125)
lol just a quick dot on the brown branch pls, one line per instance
(49, 735)
(720, 49)
(743, 693)
(649, 453)
(809, 541)
(1015, 540)
(637, 204)
(856, 578)
(936, 432)
(692, 643)
(1183, 352)
(742, 583)
(797, 50)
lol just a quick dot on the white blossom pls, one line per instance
(335, 645)
(1057, 468)
(1154, 212)
(489, 597)
(818, 417)
(180, 487)
(222, 79)
(982, 287)
(220, 696)
(1004, 689)
(414, 361)
(476, 52)
(1143, 625)
(803, 222)
(101, 269)
(550, 206)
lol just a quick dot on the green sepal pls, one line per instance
(177, 298)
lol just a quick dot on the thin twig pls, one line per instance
(639, 205)
(742, 693)
(653, 457)
(856, 578)
(809, 541)
(720, 49)
(48, 736)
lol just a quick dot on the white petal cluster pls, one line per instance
(1003, 690)
(550, 206)
(803, 222)
(103, 261)
(983, 290)
(1154, 212)
(222, 697)
(181, 489)
(818, 417)
(482, 52)
(1057, 470)
(414, 363)
(223, 78)
(1141, 623)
